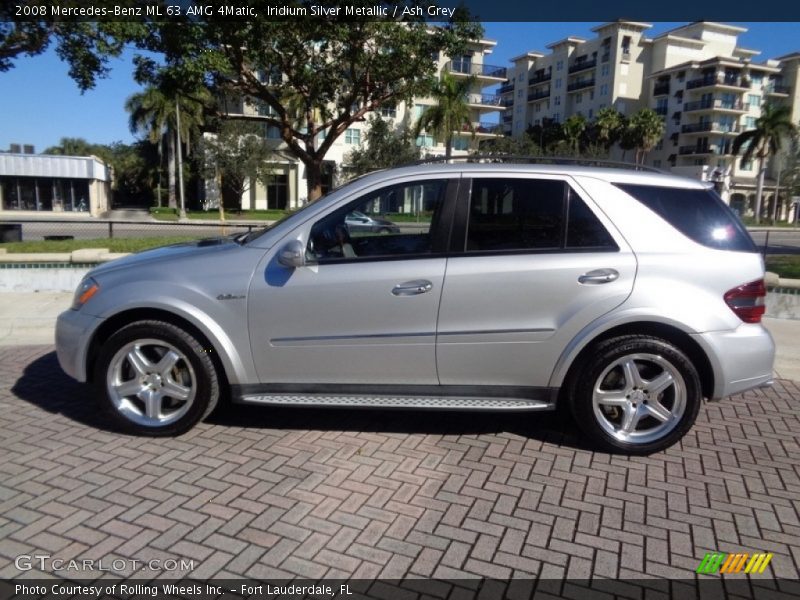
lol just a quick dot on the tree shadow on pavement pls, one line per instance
(45, 385)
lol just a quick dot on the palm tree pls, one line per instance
(763, 142)
(573, 129)
(154, 111)
(608, 125)
(451, 112)
(648, 128)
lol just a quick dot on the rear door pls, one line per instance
(532, 262)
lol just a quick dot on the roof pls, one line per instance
(567, 40)
(612, 175)
(633, 24)
(53, 165)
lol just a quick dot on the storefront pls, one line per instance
(44, 183)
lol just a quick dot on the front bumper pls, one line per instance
(742, 359)
(74, 331)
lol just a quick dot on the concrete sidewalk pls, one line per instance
(28, 319)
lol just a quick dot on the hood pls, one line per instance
(168, 253)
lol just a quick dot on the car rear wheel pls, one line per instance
(154, 378)
(636, 394)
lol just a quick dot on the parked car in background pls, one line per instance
(359, 222)
(625, 295)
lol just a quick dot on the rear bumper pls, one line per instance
(742, 359)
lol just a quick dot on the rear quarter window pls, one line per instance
(700, 215)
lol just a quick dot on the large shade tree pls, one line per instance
(316, 76)
(764, 141)
(645, 128)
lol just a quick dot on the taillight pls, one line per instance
(747, 301)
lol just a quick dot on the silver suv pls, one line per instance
(625, 296)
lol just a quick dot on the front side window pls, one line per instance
(531, 215)
(395, 221)
(352, 136)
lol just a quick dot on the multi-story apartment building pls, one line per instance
(287, 187)
(707, 88)
(578, 76)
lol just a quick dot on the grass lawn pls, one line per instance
(213, 215)
(113, 244)
(785, 265)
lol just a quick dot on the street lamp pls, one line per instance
(182, 215)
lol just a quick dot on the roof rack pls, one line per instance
(532, 160)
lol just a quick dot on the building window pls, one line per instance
(604, 70)
(519, 93)
(558, 84)
(389, 112)
(746, 165)
(749, 122)
(278, 192)
(591, 113)
(681, 75)
(754, 100)
(272, 133)
(425, 141)
(604, 89)
(757, 79)
(419, 109)
(578, 98)
(558, 101)
(352, 136)
(559, 65)
(460, 143)
(557, 117)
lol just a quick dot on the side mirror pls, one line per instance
(293, 254)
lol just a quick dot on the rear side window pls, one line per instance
(530, 215)
(700, 215)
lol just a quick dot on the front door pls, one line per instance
(531, 265)
(363, 310)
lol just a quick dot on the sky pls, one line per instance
(39, 103)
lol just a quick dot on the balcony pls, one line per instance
(580, 85)
(715, 104)
(506, 87)
(508, 118)
(540, 78)
(625, 56)
(661, 89)
(704, 149)
(709, 127)
(582, 65)
(538, 95)
(484, 128)
(778, 90)
(488, 100)
(718, 80)
(468, 68)
(508, 101)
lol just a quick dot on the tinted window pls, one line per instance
(584, 230)
(700, 215)
(394, 221)
(529, 214)
(516, 214)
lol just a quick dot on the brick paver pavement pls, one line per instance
(283, 493)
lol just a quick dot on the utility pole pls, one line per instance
(182, 215)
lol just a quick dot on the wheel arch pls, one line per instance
(669, 332)
(132, 315)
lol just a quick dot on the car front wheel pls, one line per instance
(154, 378)
(636, 394)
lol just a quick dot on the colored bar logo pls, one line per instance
(720, 562)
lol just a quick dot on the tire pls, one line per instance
(153, 378)
(384, 230)
(637, 411)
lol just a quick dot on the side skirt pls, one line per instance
(414, 397)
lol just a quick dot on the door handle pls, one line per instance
(599, 276)
(412, 288)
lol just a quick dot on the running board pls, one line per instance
(474, 403)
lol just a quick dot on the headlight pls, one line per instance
(87, 288)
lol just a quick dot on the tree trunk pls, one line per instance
(762, 170)
(314, 179)
(171, 172)
(218, 179)
(448, 147)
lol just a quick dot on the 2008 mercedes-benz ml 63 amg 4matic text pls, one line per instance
(628, 295)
